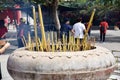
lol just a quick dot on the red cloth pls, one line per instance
(105, 25)
(3, 30)
(18, 14)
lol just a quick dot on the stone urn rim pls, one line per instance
(90, 62)
(79, 57)
(57, 52)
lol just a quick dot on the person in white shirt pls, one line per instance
(78, 30)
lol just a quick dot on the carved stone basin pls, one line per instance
(95, 64)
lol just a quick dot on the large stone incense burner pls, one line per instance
(60, 61)
(95, 64)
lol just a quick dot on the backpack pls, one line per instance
(102, 28)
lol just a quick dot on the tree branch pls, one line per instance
(55, 3)
(48, 2)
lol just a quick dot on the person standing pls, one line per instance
(103, 28)
(3, 29)
(79, 30)
(22, 31)
(66, 28)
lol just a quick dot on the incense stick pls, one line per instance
(42, 28)
(35, 28)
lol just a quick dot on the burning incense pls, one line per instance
(35, 28)
(90, 21)
(53, 45)
(40, 45)
(86, 32)
(29, 42)
(67, 43)
(48, 43)
(42, 28)
(63, 43)
(24, 41)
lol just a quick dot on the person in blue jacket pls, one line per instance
(66, 28)
(22, 31)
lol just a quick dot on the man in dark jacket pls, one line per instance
(22, 31)
(66, 27)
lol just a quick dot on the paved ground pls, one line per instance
(112, 39)
(112, 43)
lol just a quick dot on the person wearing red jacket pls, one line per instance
(103, 28)
(3, 32)
(3, 29)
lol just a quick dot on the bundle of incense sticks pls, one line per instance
(84, 42)
(58, 45)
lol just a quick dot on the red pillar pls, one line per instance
(18, 14)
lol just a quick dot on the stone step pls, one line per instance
(117, 71)
(114, 77)
(116, 74)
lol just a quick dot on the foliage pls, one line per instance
(104, 8)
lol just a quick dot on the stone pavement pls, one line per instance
(112, 39)
(112, 43)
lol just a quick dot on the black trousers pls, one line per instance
(80, 40)
(102, 36)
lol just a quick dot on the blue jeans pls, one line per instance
(20, 42)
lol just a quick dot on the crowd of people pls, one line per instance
(79, 28)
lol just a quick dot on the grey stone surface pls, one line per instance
(112, 39)
(95, 64)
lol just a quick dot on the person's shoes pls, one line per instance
(100, 41)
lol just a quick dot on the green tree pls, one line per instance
(53, 4)
(103, 7)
